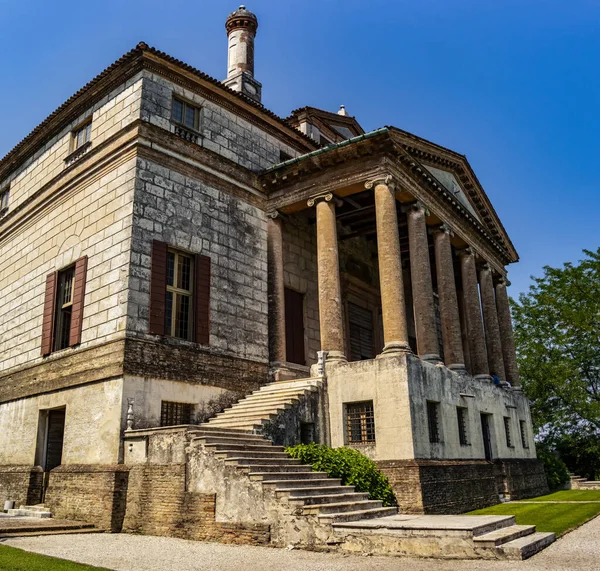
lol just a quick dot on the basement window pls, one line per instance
(507, 431)
(433, 421)
(462, 418)
(175, 413)
(523, 426)
(360, 423)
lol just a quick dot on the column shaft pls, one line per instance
(422, 287)
(330, 296)
(450, 318)
(276, 291)
(490, 321)
(479, 361)
(393, 308)
(506, 335)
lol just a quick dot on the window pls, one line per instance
(82, 135)
(64, 308)
(4, 196)
(523, 426)
(178, 306)
(186, 114)
(360, 422)
(462, 417)
(175, 413)
(433, 421)
(507, 431)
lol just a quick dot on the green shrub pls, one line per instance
(352, 467)
(556, 470)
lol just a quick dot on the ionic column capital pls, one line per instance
(273, 214)
(502, 281)
(442, 229)
(322, 196)
(383, 180)
(417, 206)
(467, 252)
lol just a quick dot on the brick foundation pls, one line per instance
(21, 483)
(520, 478)
(91, 493)
(158, 504)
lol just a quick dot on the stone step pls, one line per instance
(30, 513)
(254, 468)
(218, 446)
(357, 515)
(503, 535)
(286, 483)
(9, 534)
(254, 426)
(243, 416)
(205, 430)
(526, 546)
(341, 507)
(263, 400)
(35, 508)
(249, 462)
(299, 493)
(293, 476)
(287, 385)
(235, 441)
(243, 454)
(309, 500)
(276, 404)
(283, 392)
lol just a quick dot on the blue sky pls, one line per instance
(512, 84)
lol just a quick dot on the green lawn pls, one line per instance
(556, 517)
(12, 559)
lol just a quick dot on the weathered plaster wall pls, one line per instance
(92, 219)
(189, 214)
(109, 115)
(222, 131)
(92, 425)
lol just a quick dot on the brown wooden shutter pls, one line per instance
(48, 318)
(78, 299)
(202, 309)
(158, 287)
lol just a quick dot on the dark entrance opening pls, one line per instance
(294, 327)
(487, 437)
(51, 435)
(360, 325)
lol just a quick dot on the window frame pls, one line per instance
(434, 422)
(175, 291)
(4, 199)
(174, 413)
(86, 128)
(62, 327)
(523, 430)
(361, 413)
(508, 432)
(185, 105)
(462, 417)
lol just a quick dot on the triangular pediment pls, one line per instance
(330, 127)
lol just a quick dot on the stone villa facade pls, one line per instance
(168, 246)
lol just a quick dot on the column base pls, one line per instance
(484, 377)
(457, 367)
(393, 349)
(431, 358)
(336, 357)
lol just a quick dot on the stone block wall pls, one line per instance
(221, 131)
(21, 483)
(158, 504)
(92, 493)
(193, 216)
(520, 478)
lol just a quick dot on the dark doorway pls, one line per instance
(55, 435)
(360, 325)
(487, 437)
(294, 327)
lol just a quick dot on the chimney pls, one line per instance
(241, 27)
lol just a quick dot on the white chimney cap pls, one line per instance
(343, 111)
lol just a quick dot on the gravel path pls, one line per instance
(577, 551)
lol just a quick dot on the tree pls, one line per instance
(557, 332)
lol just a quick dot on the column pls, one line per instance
(490, 321)
(330, 296)
(393, 308)
(449, 314)
(506, 334)
(276, 291)
(479, 361)
(422, 287)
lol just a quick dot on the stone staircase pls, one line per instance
(307, 492)
(265, 404)
(581, 483)
(39, 511)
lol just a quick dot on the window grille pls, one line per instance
(360, 422)
(524, 441)
(175, 413)
(507, 432)
(178, 303)
(433, 421)
(462, 416)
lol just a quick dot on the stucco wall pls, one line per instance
(92, 425)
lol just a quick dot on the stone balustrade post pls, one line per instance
(328, 267)
(422, 286)
(449, 313)
(393, 307)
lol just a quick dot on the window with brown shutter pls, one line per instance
(78, 299)
(158, 287)
(48, 319)
(202, 325)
